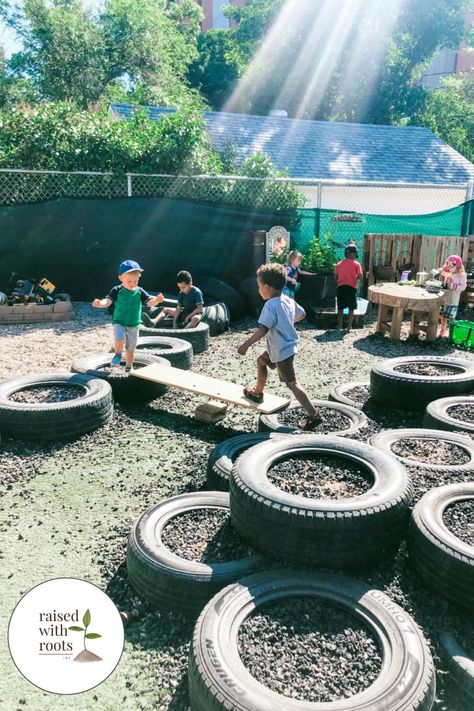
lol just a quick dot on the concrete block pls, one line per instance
(61, 307)
(19, 308)
(44, 308)
(11, 318)
(6, 310)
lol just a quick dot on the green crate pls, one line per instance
(461, 333)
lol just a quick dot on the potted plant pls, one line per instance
(318, 289)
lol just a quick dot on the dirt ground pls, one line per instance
(67, 508)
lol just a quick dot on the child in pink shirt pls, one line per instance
(347, 272)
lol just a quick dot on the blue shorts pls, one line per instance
(129, 334)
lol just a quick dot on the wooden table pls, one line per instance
(406, 298)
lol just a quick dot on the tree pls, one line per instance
(215, 72)
(351, 60)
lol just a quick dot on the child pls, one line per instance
(127, 299)
(276, 323)
(188, 313)
(347, 272)
(455, 280)
(292, 267)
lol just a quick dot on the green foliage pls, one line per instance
(61, 137)
(214, 71)
(320, 257)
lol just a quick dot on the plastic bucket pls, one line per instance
(461, 333)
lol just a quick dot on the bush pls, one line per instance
(320, 256)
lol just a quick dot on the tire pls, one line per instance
(167, 580)
(124, 387)
(335, 533)
(48, 422)
(216, 290)
(222, 458)
(217, 317)
(248, 290)
(218, 680)
(178, 352)
(384, 441)
(436, 415)
(405, 391)
(444, 561)
(338, 393)
(274, 423)
(198, 337)
(460, 667)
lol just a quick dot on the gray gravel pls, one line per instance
(321, 477)
(465, 413)
(308, 650)
(47, 393)
(459, 518)
(430, 369)
(332, 420)
(359, 394)
(205, 536)
(431, 451)
(170, 451)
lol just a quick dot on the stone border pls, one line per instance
(36, 313)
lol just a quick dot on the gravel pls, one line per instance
(359, 394)
(47, 393)
(204, 535)
(306, 649)
(459, 518)
(332, 420)
(67, 508)
(430, 451)
(429, 369)
(464, 413)
(322, 477)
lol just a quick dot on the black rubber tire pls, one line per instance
(436, 414)
(167, 580)
(125, 388)
(216, 290)
(384, 441)
(338, 393)
(222, 458)
(178, 352)
(273, 423)
(248, 290)
(461, 669)
(219, 681)
(345, 533)
(217, 317)
(405, 391)
(444, 561)
(198, 337)
(47, 422)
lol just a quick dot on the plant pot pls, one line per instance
(316, 289)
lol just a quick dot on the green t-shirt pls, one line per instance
(128, 305)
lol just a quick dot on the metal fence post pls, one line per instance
(129, 185)
(317, 216)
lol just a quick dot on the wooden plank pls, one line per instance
(212, 387)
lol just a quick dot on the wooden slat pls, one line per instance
(211, 387)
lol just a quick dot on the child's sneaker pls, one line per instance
(128, 368)
(116, 360)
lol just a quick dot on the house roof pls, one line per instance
(328, 150)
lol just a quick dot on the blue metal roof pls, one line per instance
(327, 150)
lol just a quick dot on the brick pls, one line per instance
(62, 307)
(6, 310)
(19, 308)
(44, 308)
(11, 318)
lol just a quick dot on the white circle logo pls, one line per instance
(66, 636)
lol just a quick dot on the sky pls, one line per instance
(7, 37)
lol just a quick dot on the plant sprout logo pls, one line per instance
(86, 655)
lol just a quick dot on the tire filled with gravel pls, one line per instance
(441, 547)
(430, 449)
(184, 549)
(320, 500)
(411, 382)
(177, 351)
(309, 650)
(288, 640)
(356, 394)
(336, 419)
(451, 413)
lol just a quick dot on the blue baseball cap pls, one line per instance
(129, 266)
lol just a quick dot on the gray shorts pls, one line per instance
(129, 334)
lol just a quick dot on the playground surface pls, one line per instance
(67, 508)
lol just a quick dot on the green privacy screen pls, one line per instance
(78, 243)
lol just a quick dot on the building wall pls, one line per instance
(465, 57)
(449, 61)
(213, 15)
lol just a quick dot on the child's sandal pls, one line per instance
(252, 395)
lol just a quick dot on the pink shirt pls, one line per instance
(347, 272)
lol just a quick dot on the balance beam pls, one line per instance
(211, 387)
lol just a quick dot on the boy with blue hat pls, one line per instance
(127, 299)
